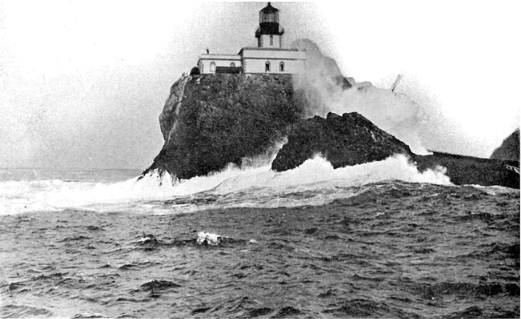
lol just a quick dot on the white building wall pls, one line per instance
(259, 66)
(205, 61)
(254, 60)
(264, 41)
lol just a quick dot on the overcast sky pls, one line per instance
(82, 83)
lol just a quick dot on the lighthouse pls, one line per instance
(268, 57)
(269, 34)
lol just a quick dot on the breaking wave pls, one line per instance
(315, 182)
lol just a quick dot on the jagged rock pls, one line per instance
(471, 170)
(214, 120)
(345, 140)
(509, 149)
(352, 139)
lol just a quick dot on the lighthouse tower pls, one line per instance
(268, 57)
(269, 34)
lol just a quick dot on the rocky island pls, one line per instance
(212, 120)
(232, 108)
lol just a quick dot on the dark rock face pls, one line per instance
(345, 140)
(471, 170)
(509, 149)
(352, 139)
(213, 120)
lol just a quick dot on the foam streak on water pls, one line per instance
(315, 182)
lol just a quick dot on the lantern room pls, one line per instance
(269, 14)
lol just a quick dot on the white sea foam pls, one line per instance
(208, 238)
(315, 182)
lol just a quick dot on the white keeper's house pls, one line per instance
(268, 57)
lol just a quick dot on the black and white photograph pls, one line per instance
(204, 159)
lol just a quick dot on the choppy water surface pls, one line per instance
(395, 249)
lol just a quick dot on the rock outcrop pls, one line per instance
(210, 121)
(352, 139)
(345, 140)
(471, 170)
(502, 169)
(509, 149)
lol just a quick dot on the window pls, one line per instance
(201, 66)
(271, 40)
(232, 64)
(212, 67)
(267, 66)
(281, 67)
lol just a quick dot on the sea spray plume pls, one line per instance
(319, 80)
(328, 91)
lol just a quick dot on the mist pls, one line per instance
(328, 91)
(423, 127)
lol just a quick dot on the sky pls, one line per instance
(82, 83)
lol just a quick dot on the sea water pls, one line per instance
(372, 240)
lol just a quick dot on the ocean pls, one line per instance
(378, 240)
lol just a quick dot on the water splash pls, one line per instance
(326, 90)
(315, 182)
